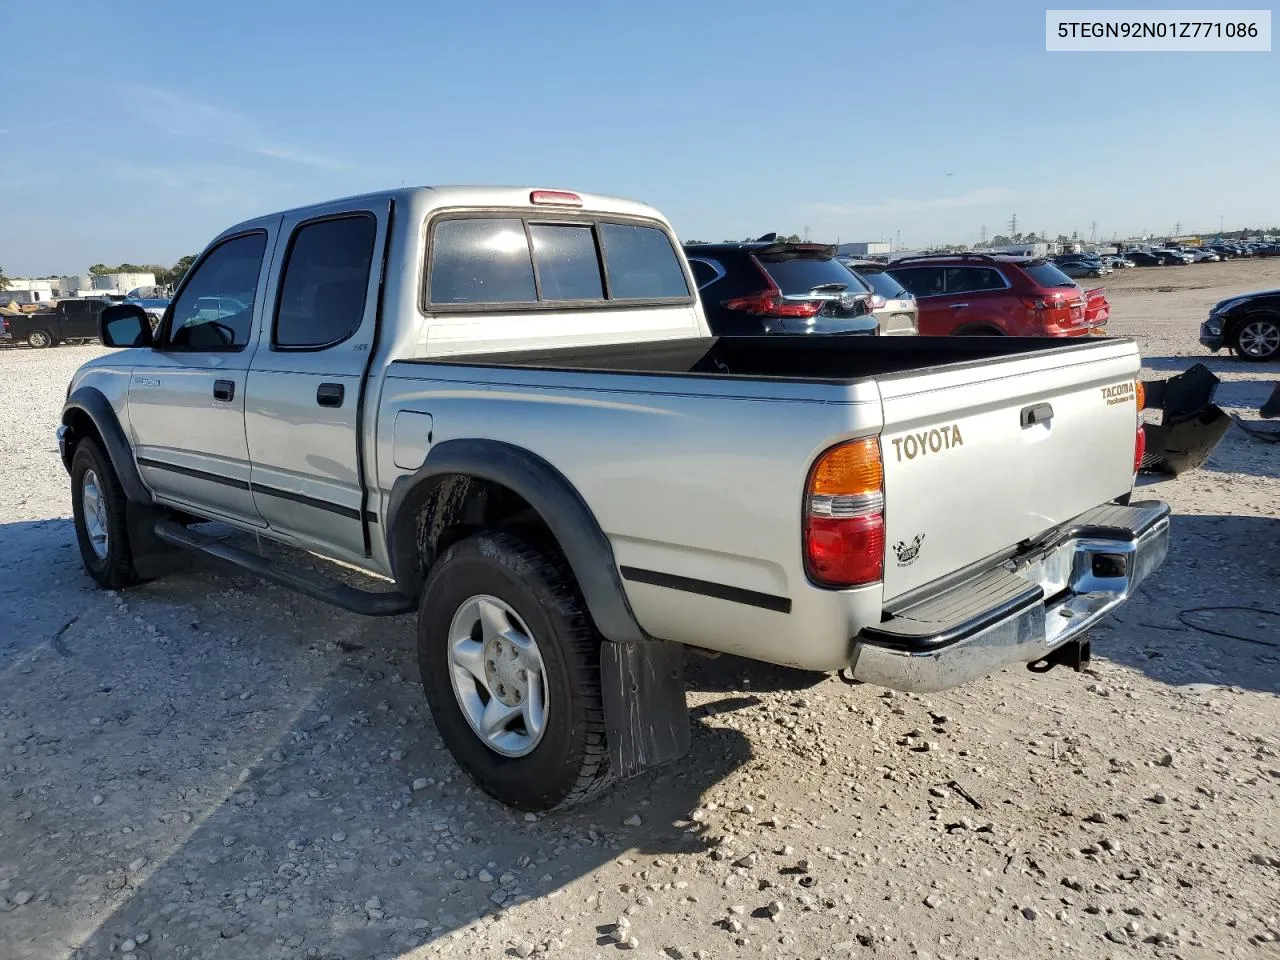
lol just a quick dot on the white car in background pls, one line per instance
(1202, 256)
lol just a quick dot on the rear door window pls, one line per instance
(567, 263)
(325, 281)
(642, 263)
(481, 261)
(973, 279)
(922, 281)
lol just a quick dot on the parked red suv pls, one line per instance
(973, 295)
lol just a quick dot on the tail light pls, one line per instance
(876, 302)
(1140, 441)
(770, 303)
(844, 516)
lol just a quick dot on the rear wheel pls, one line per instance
(40, 339)
(510, 665)
(1258, 338)
(98, 508)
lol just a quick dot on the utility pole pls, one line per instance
(1093, 231)
(1013, 226)
(806, 233)
(983, 235)
(1177, 229)
(1219, 223)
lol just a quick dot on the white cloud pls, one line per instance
(896, 207)
(212, 187)
(180, 116)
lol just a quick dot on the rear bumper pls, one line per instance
(1023, 609)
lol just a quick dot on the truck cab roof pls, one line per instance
(427, 199)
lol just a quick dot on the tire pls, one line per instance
(567, 761)
(109, 561)
(39, 339)
(1257, 339)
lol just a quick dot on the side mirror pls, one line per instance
(125, 325)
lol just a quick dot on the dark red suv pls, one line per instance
(975, 295)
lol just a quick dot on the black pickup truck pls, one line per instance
(69, 321)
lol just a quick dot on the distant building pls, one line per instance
(75, 286)
(30, 289)
(122, 282)
(1024, 249)
(869, 248)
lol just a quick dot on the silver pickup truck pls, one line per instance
(504, 404)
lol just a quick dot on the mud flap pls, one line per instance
(1270, 411)
(152, 557)
(1191, 425)
(645, 713)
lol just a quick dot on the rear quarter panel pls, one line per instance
(693, 477)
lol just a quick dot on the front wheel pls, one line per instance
(510, 664)
(39, 339)
(98, 508)
(1258, 339)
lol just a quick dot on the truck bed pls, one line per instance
(822, 359)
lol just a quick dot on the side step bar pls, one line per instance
(367, 602)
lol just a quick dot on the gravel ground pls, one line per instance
(206, 766)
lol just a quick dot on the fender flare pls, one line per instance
(90, 402)
(548, 492)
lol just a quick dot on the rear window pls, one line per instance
(568, 266)
(642, 263)
(481, 260)
(884, 285)
(799, 276)
(1045, 274)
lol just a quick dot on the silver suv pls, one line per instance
(891, 303)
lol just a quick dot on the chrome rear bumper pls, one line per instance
(1020, 610)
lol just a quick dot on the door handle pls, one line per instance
(330, 394)
(958, 306)
(224, 390)
(1037, 413)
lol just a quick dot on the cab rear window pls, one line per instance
(525, 262)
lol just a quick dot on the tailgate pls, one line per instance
(981, 456)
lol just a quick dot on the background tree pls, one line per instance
(4, 280)
(1000, 240)
(174, 275)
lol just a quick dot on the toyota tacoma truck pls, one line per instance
(504, 404)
